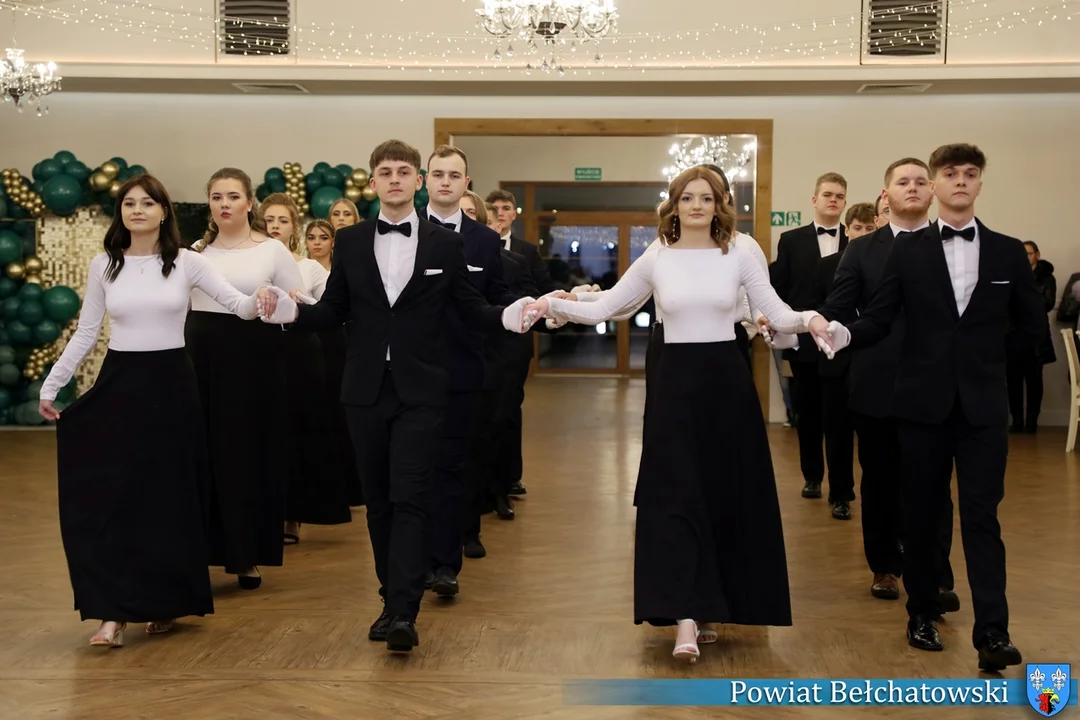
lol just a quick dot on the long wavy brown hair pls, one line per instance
(723, 223)
(293, 241)
(255, 220)
(118, 237)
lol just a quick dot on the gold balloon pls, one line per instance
(368, 193)
(15, 271)
(360, 176)
(33, 279)
(99, 181)
(349, 182)
(110, 169)
(114, 189)
(354, 193)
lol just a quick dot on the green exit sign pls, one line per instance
(588, 174)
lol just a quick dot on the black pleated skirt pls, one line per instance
(316, 493)
(343, 456)
(240, 367)
(133, 481)
(709, 539)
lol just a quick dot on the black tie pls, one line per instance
(385, 228)
(948, 233)
(822, 231)
(440, 223)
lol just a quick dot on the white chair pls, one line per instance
(1074, 386)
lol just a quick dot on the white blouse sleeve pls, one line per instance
(763, 296)
(202, 274)
(631, 308)
(635, 284)
(286, 271)
(751, 311)
(82, 341)
(317, 276)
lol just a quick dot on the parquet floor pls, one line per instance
(551, 602)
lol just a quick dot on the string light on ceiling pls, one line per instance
(709, 150)
(551, 23)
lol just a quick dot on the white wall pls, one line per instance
(1030, 140)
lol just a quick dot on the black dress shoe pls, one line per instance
(841, 511)
(517, 489)
(401, 635)
(923, 634)
(996, 653)
(811, 490)
(445, 583)
(429, 580)
(949, 601)
(377, 633)
(504, 508)
(474, 549)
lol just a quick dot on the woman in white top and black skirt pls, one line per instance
(316, 493)
(240, 368)
(131, 453)
(709, 544)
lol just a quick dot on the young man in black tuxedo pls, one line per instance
(959, 285)
(457, 470)
(395, 277)
(872, 379)
(794, 275)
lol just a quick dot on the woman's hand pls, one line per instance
(267, 301)
(47, 411)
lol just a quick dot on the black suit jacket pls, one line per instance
(412, 328)
(537, 268)
(510, 349)
(826, 275)
(794, 276)
(872, 377)
(466, 345)
(943, 354)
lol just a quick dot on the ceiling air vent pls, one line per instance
(904, 31)
(271, 88)
(254, 27)
(892, 89)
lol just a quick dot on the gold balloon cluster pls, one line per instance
(29, 270)
(23, 195)
(105, 179)
(39, 358)
(295, 187)
(357, 186)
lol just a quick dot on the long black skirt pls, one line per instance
(240, 366)
(316, 492)
(343, 458)
(709, 540)
(133, 479)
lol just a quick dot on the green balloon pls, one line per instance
(33, 390)
(5, 399)
(8, 287)
(277, 185)
(10, 308)
(46, 170)
(22, 354)
(27, 414)
(345, 170)
(10, 247)
(60, 303)
(46, 332)
(120, 162)
(7, 416)
(77, 170)
(31, 291)
(273, 175)
(17, 212)
(3, 208)
(333, 178)
(321, 166)
(67, 393)
(4, 338)
(313, 181)
(137, 170)
(262, 192)
(31, 312)
(373, 209)
(20, 334)
(9, 375)
(62, 194)
(64, 157)
(323, 200)
(7, 354)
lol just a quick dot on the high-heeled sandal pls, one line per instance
(158, 627)
(250, 582)
(688, 650)
(707, 635)
(114, 639)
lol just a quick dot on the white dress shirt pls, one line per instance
(828, 244)
(506, 242)
(455, 218)
(396, 257)
(962, 257)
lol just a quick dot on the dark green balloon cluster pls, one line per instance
(31, 320)
(62, 184)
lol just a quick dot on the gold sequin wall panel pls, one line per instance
(66, 246)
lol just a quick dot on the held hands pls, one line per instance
(47, 411)
(533, 312)
(276, 307)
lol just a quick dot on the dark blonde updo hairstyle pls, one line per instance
(255, 220)
(723, 222)
(293, 241)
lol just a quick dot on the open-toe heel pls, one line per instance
(114, 639)
(158, 627)
(687, 650)
(707, 635)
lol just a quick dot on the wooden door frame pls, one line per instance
(448, 128)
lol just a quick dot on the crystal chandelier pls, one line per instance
(23, 83)
(709, 151)
(545, 25)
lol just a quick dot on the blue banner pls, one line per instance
(855, 692)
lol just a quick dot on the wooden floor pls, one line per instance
(551, 602)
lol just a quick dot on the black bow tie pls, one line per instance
(822, 231)
(385, 228)
(948, 233)
(440, 223)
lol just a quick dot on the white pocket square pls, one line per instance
(435, 271)
(999, 282)
(473, 268)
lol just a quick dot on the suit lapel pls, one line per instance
(940, 268)
(985, 250)
(370, 265)
(425, 251)
(843, 240)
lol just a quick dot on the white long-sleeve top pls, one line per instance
(146, 310)
(747, 312)
(269, 263)
(314, 277)
(696, 290)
